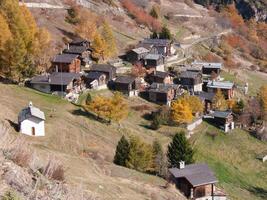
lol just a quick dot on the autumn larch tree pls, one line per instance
(99, 47)
(122, 152)
(263, 100)
(219, 102)
(195, 104)
(140, 155)
(181, 112)
(179, 150)
(107, 34)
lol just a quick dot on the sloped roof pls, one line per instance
(140, 50)
(221, 114)
(29, 112)
(220, 84)
(196, 174)
(162, 88)
(206, 95)
(208, 65)
(156, 42)
(125, 79)
(160, 74)
(153, 56)
(102, 67)
(56, 78)
(189, 74)
(94, 75)
(65, 58)
(75, 50)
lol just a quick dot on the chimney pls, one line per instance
(182, 164)
(68, 46)
(30, 104)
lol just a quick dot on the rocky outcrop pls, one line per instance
(252, 9)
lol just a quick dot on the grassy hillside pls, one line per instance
(86, 147)
(233, 158)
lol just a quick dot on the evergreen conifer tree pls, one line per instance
(165, 33)
(122, 152)
(179, 150)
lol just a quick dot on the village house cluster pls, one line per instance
(73, 71)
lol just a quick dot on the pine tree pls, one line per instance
(165, 33)
(219, 102)
(107, 34)
(140, 155)
(181, 112)
(154, 35)
(154, 12)
(122, 152)
(179, 150)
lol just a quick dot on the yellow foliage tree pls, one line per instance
(87, 25)
(5, 32)
(195, 104)
(99, 47)
(107, 34)
(112, 109)
(263, 100)
(219, 102)
(181, 112)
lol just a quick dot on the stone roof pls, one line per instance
(30, 112)
(56, 78)
(102, 67)
(156, 42)
(153, 56)
(94, 75)
(160, 74)
(206, 96)
(162, 88)
(220, 84)
(140, 50)
(196, 174)
(75, 50)
(189, 74)
(221, 114)
(125, 79)
(208, 65)
(65, 58)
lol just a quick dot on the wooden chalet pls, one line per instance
(137, 54)
(158, 46)
(154, 62)
(226, 87)
(163, 93)
(95, 80)
(128, 85)
(207, 99)
(66, 63)
(224, 120)
(60, 83)
(82, 51)
(80, 42)
(160, 77)
(196, 182)
(107, 69)
(191, 81)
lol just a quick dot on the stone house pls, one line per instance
(137, 54)
(154, 62)
(107, 69)
(128, 85)
(223, 120)
(191, 81)
(160, 77)
(95, 80)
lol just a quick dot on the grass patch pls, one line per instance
(233, 159)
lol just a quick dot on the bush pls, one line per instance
(21, 153)
(54, 170)
(10, 196)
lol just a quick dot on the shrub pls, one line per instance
(54, 170)
(21, 153)
(10, 196)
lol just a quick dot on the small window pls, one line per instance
(33, 131)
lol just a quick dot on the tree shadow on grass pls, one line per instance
(80, 112)
(258, 191)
